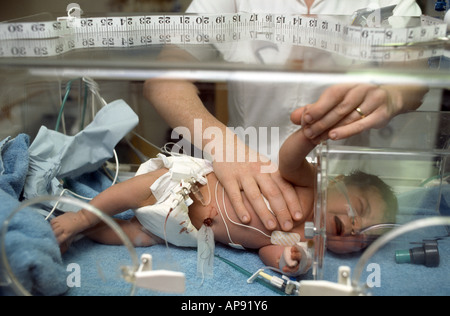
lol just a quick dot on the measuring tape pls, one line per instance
(333, 34)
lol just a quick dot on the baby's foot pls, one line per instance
(66, 227)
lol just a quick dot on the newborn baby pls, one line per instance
(174, 197)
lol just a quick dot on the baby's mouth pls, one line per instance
(339, 226)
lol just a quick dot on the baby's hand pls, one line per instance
(293, 257)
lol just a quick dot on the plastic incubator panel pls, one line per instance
(408, 163)
(60, 73)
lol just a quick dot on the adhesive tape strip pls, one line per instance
(284, 239)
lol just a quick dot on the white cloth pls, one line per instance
(179, 229)
(267, 106)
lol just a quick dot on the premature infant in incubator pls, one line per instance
(354, 202)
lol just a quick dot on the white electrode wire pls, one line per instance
(95, 89)
(117, 167)
(240, 224)
(60, 195)
(146, 141)
(209, 198)
(166, 150)
(221, 215)
(163, 149)
(141, 156)
(228, 217)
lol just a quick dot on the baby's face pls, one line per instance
(344, 222)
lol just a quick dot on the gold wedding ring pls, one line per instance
(360, 112)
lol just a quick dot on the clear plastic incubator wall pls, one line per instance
(75, 121)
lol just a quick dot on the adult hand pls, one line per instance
(348, 109)
(253, 176)
(257, 178)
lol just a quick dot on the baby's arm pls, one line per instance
(130, 194)
(272, 254)
(292, 160)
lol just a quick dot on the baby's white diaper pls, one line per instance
(179, 229)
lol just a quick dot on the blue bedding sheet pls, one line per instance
(393, 279)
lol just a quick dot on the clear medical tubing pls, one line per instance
(382, 241)
(4, 263)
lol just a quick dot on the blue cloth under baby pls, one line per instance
(31, 247)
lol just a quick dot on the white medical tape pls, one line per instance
(333, 34)
(284, 239)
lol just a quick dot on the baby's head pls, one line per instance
(354, 203)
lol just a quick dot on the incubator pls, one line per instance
(74, 121)
(416, 170)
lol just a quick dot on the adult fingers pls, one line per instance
(276, 199)
(233, 191)
(376, 119)
(255, 197)
(326, 103)
(374, 112)
(290, 196)
(352, 100)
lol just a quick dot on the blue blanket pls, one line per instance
(31, 248)
(101, 265)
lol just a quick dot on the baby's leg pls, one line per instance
(67, 226)
(137, 234)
